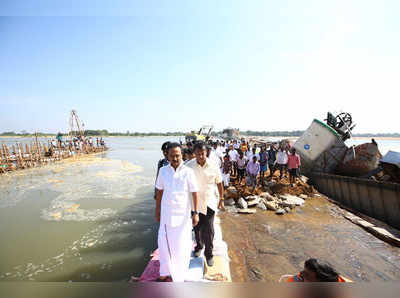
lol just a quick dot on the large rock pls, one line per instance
(247, 211)
(291, 201)
(231, 192)
(242, 203)
(303, 196)
(268, 196)
(253, 202)
(262, 206)
(280, 211)
(271, 206)
(287, 209)
(250, 198)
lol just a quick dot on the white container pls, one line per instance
(315, 140)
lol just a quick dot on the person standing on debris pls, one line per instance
(241, 164)
(293, 165)
(281, 160)
(263, 158)
(271, 159)
(233, 154)
(226, 170)
(162, 162)
(176, 190)
(253, 169)
(209, 180)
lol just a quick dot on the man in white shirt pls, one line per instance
(281, 160)
(253, 153)
(216, 155)
(209, 180)
(176, 184)
(233, 154)
(236, 145)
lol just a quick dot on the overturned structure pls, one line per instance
(357, 177)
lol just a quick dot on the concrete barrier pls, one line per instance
(380, 200)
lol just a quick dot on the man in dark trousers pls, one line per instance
(209, 181)
(162, 162)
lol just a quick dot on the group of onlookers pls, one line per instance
(189, 193)
(251, 164)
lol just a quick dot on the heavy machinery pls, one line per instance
(203, 134)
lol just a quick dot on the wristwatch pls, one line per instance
(195, 212)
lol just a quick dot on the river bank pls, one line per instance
(272, 245)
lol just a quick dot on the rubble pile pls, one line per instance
(276, 195)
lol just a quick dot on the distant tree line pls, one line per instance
(104, 132)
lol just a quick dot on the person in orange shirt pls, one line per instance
(316, 271)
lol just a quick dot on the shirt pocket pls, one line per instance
(180, 185)
(209, 178)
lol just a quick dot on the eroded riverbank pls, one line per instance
(264, 246)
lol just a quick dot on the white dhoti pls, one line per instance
(175, 247)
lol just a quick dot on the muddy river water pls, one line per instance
(92, 219)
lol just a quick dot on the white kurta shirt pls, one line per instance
(233, 154)
(282, 157)
(176, 200)
(208, 176)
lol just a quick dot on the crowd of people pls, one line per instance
(189, 191)
(237, 159)
(77, 144)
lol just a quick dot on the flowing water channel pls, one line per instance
(86, 219)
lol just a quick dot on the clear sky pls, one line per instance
(176, 65)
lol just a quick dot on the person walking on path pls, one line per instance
(209, 180)
(253, 169)
(293, 165)
(176, 196)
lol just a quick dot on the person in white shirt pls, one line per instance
(253, 153)
(209, 180)
(236, 145)
(176, 184)
(241, 164)
(281, 161)
(216, 155)
(233, 154)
